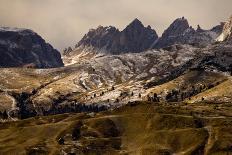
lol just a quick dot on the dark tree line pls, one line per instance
(73, 108)
(178, 95)
(24, 112)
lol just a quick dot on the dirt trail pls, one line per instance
(13, 106)
(210, 141)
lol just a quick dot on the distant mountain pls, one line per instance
(134, 38)
(25, 48)
(227, 31)
(180, 32)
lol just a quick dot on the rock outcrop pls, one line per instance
(25, 48)
(227, 31)
(180, 32)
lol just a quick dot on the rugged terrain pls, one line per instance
(136, 38)
(132, 99)
(185, 73)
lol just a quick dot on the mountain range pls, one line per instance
(130, 61)
(133, 91)
(137, 38)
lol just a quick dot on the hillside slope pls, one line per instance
(86, 81)
(162, 129)
(227, 31)
(176, 73)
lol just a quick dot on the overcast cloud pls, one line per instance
(63, 22)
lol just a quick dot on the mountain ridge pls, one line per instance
(137, 38)
(180, 32)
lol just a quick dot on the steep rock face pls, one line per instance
(22, 47)
(134, 38)
(218, 29)
(176, 28)
(179, 32)
(227, 31)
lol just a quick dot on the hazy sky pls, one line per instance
(63, 22)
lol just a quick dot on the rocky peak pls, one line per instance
(99, 38)
(199, 29)
(174, 31)
(227, 31)
(218, 28)
(136, 37)
(177, 27)
(180, 32)
(23, 47)
(136, 23)
(137, 26)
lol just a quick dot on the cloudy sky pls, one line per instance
(63, 22)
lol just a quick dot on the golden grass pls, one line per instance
(191, 78)
(144, 129)
(221, 92)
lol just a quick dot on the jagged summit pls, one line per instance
(177, 27)
(135, 23)
(181, 20)
(199, 29)
(218, 28)
(100, 37)
(137, 38)
(180, 32)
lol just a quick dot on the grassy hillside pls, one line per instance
(194, 79)
(220, 93)
(139, 128)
